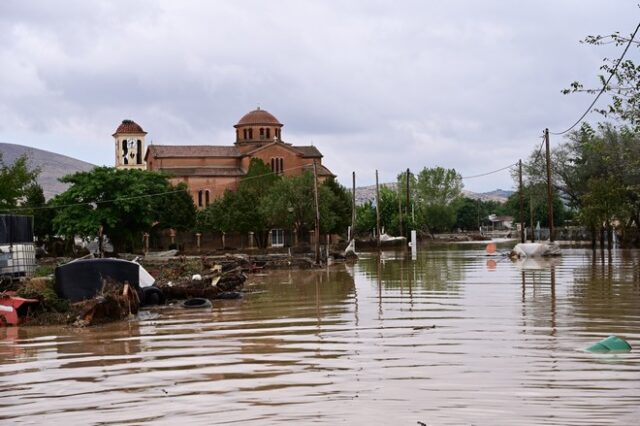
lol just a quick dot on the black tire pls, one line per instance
(196, 302)
(152, 296)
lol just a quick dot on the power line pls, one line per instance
(133, 197)
(604, 87)
(489, 173)
(539, 153)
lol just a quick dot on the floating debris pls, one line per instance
(612, 344)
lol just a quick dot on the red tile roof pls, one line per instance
(258, 117)
(168, 151)
(322, 170)
(308, 151)
(129, 126)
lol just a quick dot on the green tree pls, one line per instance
(175, 210)
(438, 193)
(623, 86)
(290, 204)
(340, 206)
(468, 214)
(365, 218)
(240, 210)
(121, 203)
(532, 198)
(15, 181)
(36, 206)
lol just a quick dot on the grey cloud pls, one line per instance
(373, 84)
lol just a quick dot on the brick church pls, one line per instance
(209, 170)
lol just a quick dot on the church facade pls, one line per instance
(209, 170)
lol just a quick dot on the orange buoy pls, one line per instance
(491, 248)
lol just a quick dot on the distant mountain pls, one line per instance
(368, 193)
(499, 195)
(52, 166)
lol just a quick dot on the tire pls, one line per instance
(196, 302)
(152, 296)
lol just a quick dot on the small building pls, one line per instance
(209, 170)
(500, 223)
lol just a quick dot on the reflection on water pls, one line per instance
(454, 337)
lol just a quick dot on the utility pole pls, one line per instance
(377, 211)
(549, 189)
(407, 207)
(353, 207)
(315, 196)
(521, 191)
(399, 208)
(533, 234)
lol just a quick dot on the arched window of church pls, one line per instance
(139, 157)
(277, 165)
(206, 197)
(250, 133)
(200, 198)
(261, 132)
(125, 151)
(268, 133)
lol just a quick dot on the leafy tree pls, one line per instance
(473, 213)
(290, 204)
(240, 210)
(15, 181)
(365, 218)
(259, 178)
(532, 197)
(438, 192)
(36, 206)
(176, 210)
(623, 85)
(121, 203)
(340, 205)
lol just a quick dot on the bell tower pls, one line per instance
(130, 146)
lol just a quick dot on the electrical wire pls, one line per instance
(157, 194)
(604, 87)
(489, 173)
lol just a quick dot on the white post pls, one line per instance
(414, 245)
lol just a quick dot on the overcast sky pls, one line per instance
(373, 84)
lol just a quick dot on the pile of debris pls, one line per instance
(95, 291)
(201, 278)
(90, 291)
(36, 302)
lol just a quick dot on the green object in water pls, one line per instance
(610, 344)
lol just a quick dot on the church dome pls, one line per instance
(258, 117)
(129, 126)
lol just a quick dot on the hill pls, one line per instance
(368, 193)
(53, 166)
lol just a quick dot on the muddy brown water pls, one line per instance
(452, 338)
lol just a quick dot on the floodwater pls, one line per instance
(452, 338)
